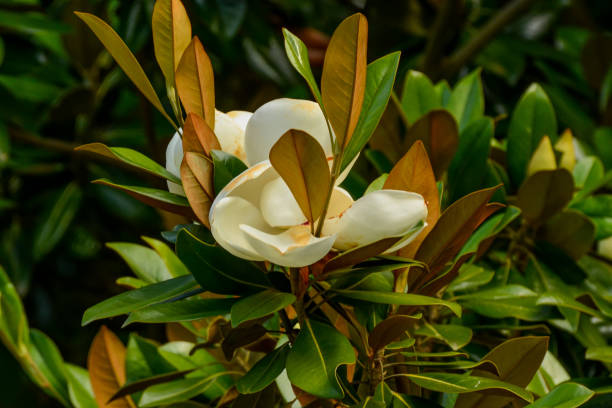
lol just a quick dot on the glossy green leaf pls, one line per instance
(57, 221)
(134, 388)
(544, 194)
(174, 265)
(181, 311)
(79, 387)
(471, 276)
(454, 335)
(467, 100)
(457, 383)
(226, 168)
(28, 88)
(264, 371)
(316, 354)
(259, 305)
(216, 270)
(153, 197)
(603, 354)
(380, 77)
(178, 390)
(298, 57)
(505, 301)
(377, 184)
(138, 298)
(130, 157)
(418, 96)
(49, 365)
(468, 169)
(14, 329)
(567, 395)
(144, 262)
(124, 57)
(532, 119)
(489, 229)
(404, 299)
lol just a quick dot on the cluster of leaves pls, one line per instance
(480, 276)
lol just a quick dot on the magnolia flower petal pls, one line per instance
(340, 201)
(278, 206)
(230, 213)
(230, 134)
(375, 216)
(240, 118)
(174, 157)
(295, 247)
(276, 117)
(604, 247)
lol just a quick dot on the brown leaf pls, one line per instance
(195, 82)
(517, 360)
(198, 136)
(202, 169)
(199, 200)
(301, 162)
(106, 365)
(240, 337)
(454, 227)
(390, 329)
(544, 194)
(414, 173)
(344, 76)
(177, 332)
(440, 135)
(571, 231)
(171, 35)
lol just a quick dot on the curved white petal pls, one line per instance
(340, 201)
(230, 135)
(174, 157)
(375, 216)
(274, 118)
(278, 206)
(230, 213)
(295, 247)
(241, 118)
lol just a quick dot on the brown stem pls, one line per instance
(46, 143)
(497, 23)
(439, 36)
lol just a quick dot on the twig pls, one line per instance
(439, 36)
(485, 35)
(46, 143)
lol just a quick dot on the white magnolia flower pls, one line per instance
(229, 128)
(256, 217)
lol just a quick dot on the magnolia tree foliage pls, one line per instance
(450, 281)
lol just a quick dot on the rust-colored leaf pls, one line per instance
(198, 136)
(414, 173)
(344, 76)
(440, 135)
(544, 194)
(199, 200)
(171, 35)
(195, 82)
(202, 169)
(389, 330)
(301, 162)
(517, 360)
(106, 365)
(454, 227)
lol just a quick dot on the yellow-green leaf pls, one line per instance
(195, 82)
(106, 365)
(543, 158)
(565, 145)
(300, 161)
(171, 35)
(124, 57)
(344, 76)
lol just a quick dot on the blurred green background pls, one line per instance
(58, 89)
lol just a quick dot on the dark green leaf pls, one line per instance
(226, 167)
(259, 305)
(418, 96)
(181, 311)
(467, 100)
(264, 371)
